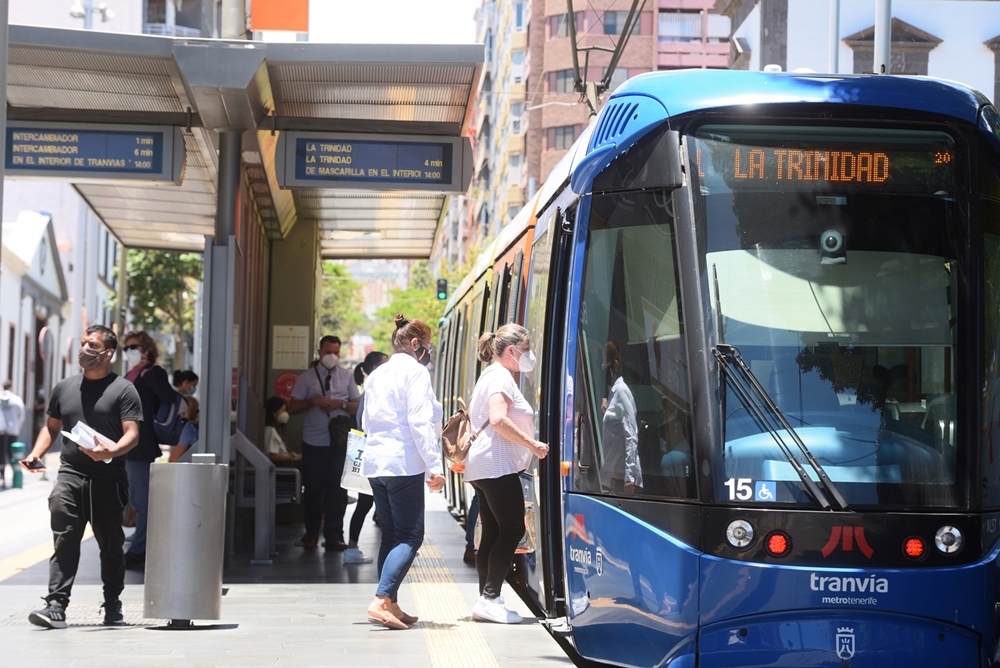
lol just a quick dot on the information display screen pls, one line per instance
(752, 158)
(94, 153)
(84, 150)
(387, 162)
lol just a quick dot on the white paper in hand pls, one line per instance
(83, 435)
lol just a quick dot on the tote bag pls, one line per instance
(352, 479)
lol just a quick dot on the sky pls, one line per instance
(393, 21)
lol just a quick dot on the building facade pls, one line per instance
(948, 39)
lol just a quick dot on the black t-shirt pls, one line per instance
(102, 405)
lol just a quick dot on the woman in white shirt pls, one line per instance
(276, 417)
(402, 421)
(496, 460)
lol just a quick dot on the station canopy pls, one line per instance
(262, 90)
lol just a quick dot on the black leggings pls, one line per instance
(501, 512)
(361, 508)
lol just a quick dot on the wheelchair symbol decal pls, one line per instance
(764, 491)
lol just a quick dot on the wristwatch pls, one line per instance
(343, 405)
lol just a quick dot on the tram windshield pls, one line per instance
(828, 258)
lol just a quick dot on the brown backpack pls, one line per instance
(457, 435)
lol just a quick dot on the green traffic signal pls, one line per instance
(442, 288)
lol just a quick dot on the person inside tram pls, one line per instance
(620, 470)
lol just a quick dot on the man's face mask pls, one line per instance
(90, 359)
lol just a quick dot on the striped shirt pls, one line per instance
(402, 420)
(492, 455)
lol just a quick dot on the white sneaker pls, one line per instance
(353, 555)
(494, 610)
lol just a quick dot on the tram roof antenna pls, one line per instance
(592, 91)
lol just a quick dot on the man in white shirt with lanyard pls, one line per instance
(327, 397)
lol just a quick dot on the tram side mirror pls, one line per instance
(652, 163)
(832, 248)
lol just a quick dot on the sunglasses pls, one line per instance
(134, 346)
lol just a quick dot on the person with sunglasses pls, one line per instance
(154, 387)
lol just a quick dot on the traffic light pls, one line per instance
(442, 288)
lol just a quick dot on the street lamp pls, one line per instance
(85, 9)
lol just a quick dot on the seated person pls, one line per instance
(276, 416)
(189, 433)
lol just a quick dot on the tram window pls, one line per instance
(834, 276)
(632, 401)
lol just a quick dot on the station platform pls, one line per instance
(306, 609)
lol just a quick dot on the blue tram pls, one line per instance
(766, 309)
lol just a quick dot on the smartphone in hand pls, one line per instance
(36, 465)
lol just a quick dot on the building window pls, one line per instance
(517, 66)
(561, 81)
(516, 114)
(560, 138)
(519, 16)
(681, 26)
(614, 23)
(718, 28)
(558, 26)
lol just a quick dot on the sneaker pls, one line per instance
(113, 615)
(52, 616)
(135, 562)
(487, 610)
(307, 540)
(335, 545)
(354, 555)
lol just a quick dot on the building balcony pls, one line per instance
(514, 196)
(692, 54)
(519, 41)
(515, 144)
(516, 92)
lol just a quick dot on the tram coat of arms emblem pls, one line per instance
(845, 643)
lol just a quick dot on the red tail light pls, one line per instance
(914, 547)
(778, 544)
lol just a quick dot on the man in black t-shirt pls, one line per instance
(92, 485)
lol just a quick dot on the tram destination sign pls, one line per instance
(375, 162)
(95, 153)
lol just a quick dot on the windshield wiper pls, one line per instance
(729, 358)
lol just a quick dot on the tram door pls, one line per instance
(542, 567)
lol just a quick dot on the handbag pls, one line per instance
(351, 478)
(457, 435)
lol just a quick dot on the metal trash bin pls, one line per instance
(185, 541)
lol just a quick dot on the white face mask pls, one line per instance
(526, 361)
(133, 357)
(281, 418)
(329, 361)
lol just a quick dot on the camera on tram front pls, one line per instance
(832, 248)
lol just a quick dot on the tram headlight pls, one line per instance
(739, 533)
(949, 539)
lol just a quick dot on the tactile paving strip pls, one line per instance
(452, 637)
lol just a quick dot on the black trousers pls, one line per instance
(322, 468)
(74, 501)
(501, 512)
(5, 441)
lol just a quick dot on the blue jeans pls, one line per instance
(399, 503)
(138, 495)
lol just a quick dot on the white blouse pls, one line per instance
(402, 421)
(492, 455)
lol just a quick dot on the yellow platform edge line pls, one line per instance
(22, 561)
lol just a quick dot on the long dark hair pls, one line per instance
(271, 407)
(372, 361)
